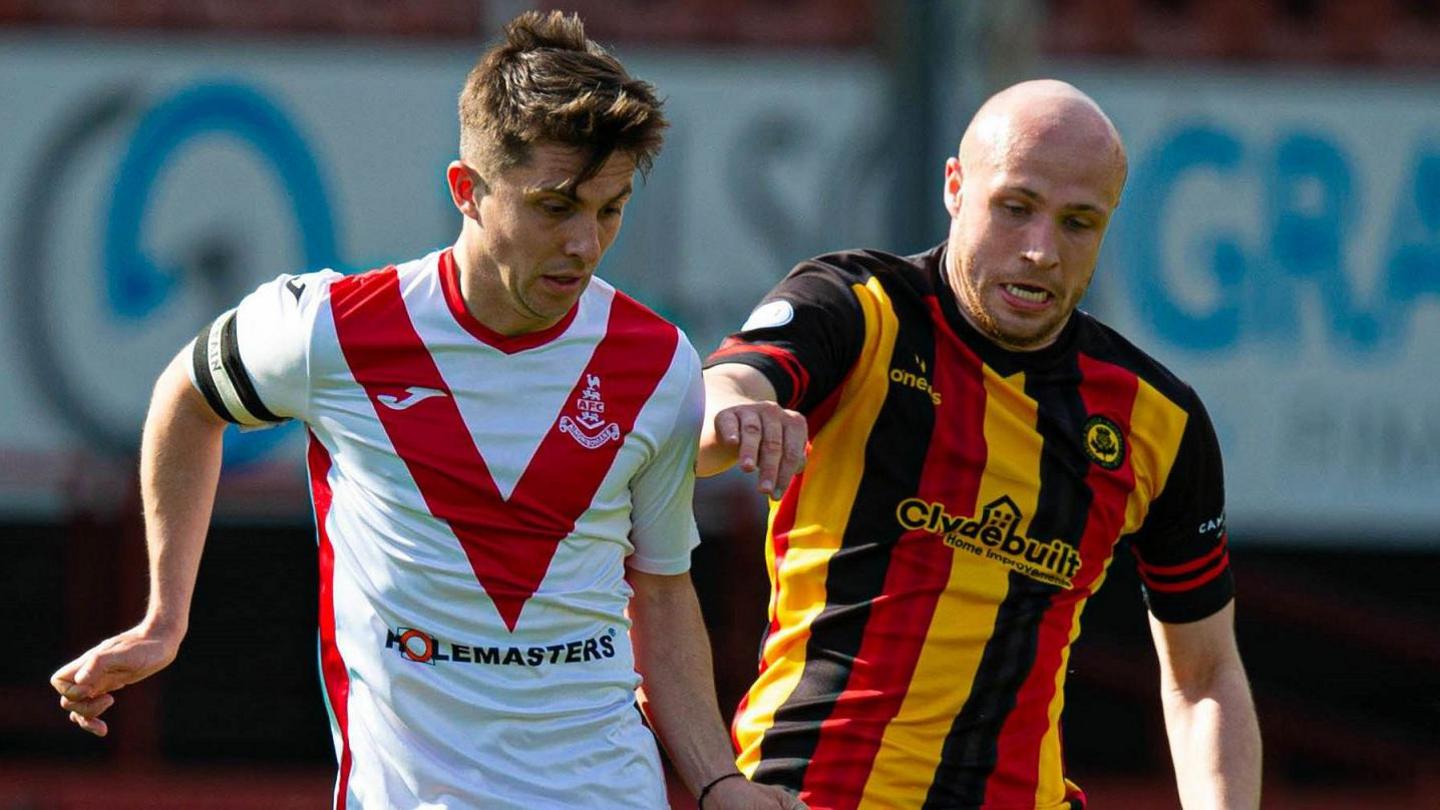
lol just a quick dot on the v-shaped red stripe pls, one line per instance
(509, 543)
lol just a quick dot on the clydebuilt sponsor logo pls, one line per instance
(992, 535)
(423, 648)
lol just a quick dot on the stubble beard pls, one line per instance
(973, 304)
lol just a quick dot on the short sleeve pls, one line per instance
(662, 527)
(1181, 550)
(251, 363)
(804, 336)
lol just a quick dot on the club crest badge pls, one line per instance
(589, 426)
(1104, 442)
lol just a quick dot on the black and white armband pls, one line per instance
(218, 373)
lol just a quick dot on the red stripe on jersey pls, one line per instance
(918, 572)
(1183, 568)
(799, 377)
(1108, 391)
(1190, 584)
(780, 528)
(509, 344)
(509, 543)
(332, 665)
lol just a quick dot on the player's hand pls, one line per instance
(85, 684)
(769, 440)
(742, 794)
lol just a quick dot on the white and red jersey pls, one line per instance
(478, 498)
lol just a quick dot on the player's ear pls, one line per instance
(952, 187)
(466, 188)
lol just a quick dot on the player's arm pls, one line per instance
(179, 469)
(744, 422)
(1182, 556)
(247, 367)
(793, 350)
(672, 654)
(1209, 715)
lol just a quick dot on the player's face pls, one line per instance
(540, 240)
(1027, 220)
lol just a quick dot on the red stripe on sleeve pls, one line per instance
(1190, 584)
(1183, 568)
(799, 377)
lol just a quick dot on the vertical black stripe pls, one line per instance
(971, 748)
(200, 364)
(1063, 506)
(895, 454)
(970, 752)
(230, 359)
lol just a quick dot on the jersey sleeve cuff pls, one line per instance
(780, 367)
(1193, 605)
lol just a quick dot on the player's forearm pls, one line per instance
(672, 653)
(1214, 740)
(726, 386)
(179, 470)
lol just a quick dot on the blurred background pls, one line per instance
(1278, 246)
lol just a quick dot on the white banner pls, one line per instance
(1278, 246)
(149, 184)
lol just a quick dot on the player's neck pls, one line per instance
(489, 301)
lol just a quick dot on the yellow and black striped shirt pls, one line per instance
(960, 504)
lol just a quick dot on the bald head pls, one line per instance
(1043, 114)
(1030, 195)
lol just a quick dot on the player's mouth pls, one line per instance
(561, 283)
(1024, 296)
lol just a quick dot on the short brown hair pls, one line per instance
(547, 82)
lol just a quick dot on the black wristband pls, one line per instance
(709, 786)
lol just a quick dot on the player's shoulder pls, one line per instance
(847, 276)
(1103, 342)
(860, 265)
(306, 285)
(630, 314)
(646, 330)
(289, 298)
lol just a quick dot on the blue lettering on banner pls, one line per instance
(1413, 269)
(1311, 213)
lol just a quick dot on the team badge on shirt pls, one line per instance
(1104, 442)
(589, 426)
(769, 316)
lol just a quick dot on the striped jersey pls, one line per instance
(478, 498)
(960, 504)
